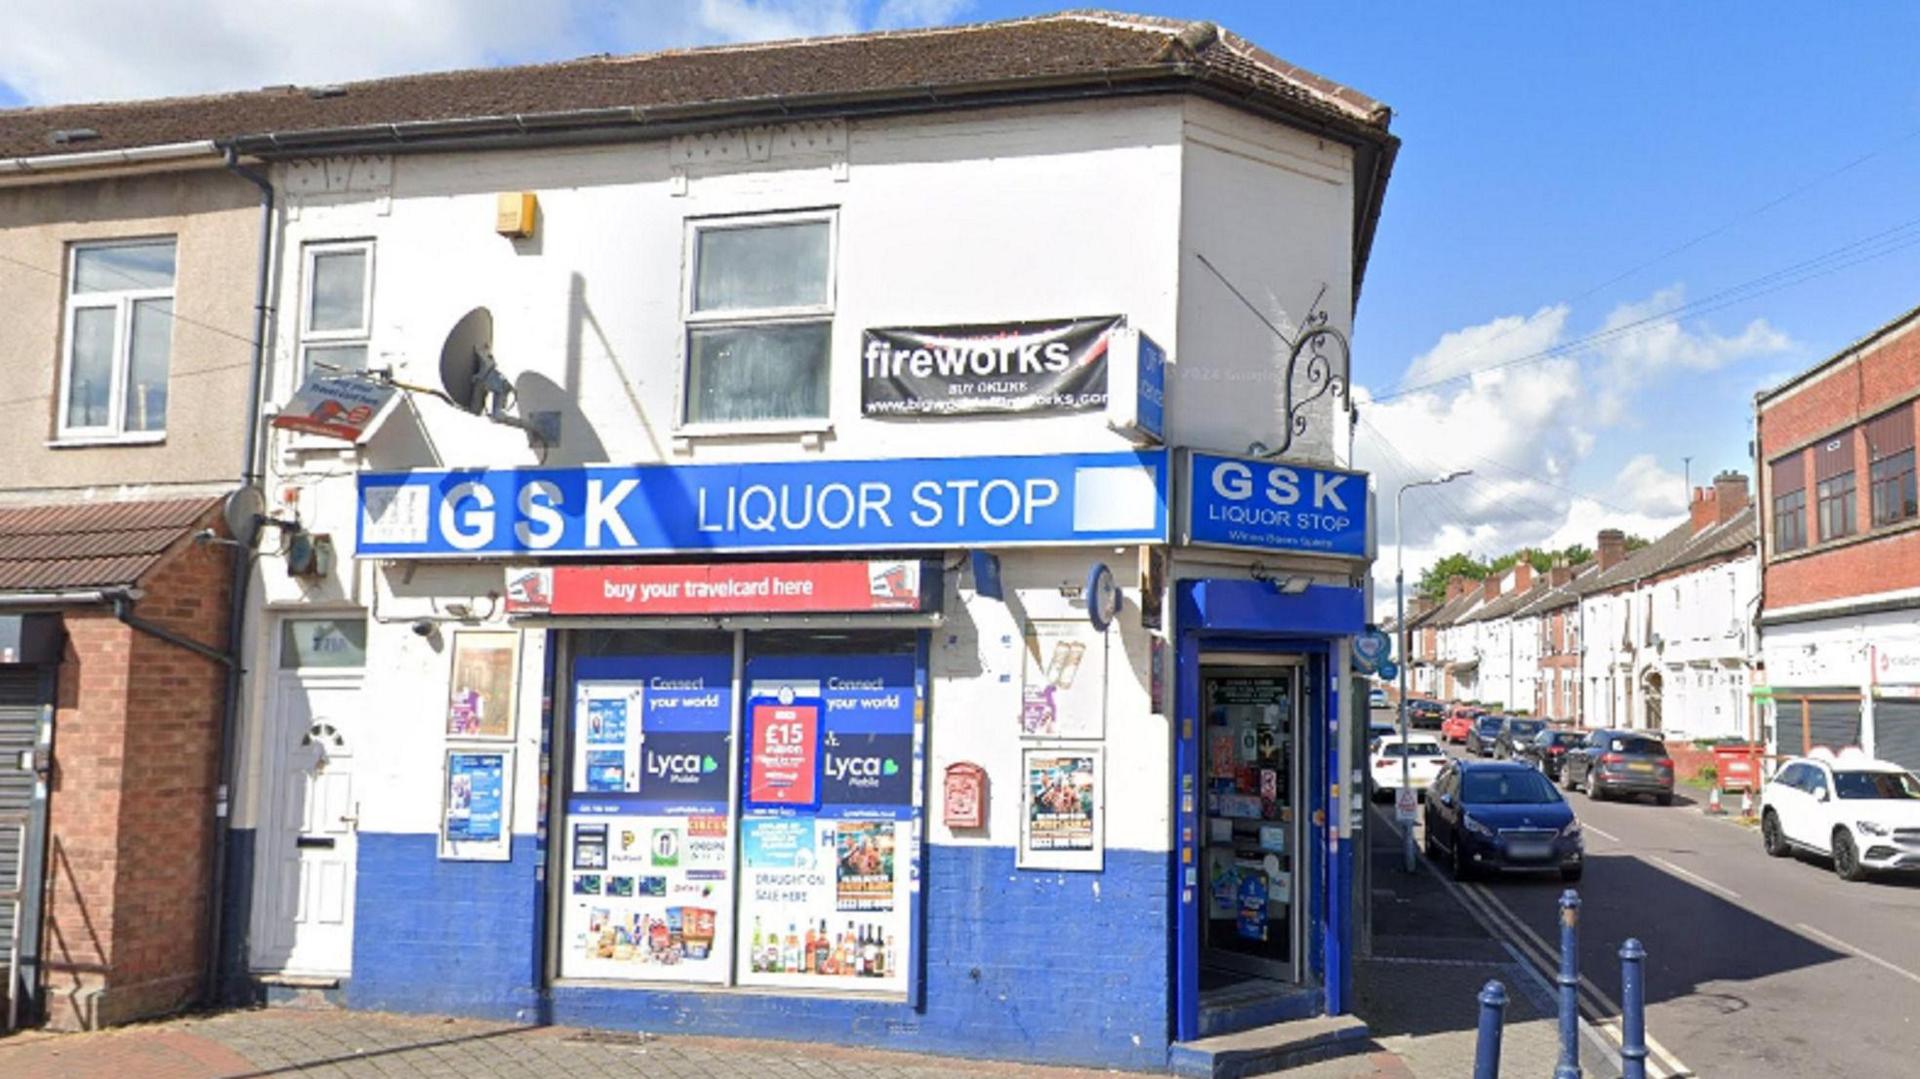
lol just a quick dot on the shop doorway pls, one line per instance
(1250, 763)
(303, 920)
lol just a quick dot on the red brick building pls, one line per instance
(119, 858)
(1840, 617)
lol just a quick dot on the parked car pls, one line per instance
(1482, 735)
(1424, 755)
(1861, 812)
(1457, 725)
(1379, 729)
(1547, 750)
(1513, 731)
(1377, 698)
(1425, 713)
(1499, 815)
(1609, 763)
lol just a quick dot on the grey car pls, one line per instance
(1624, 763)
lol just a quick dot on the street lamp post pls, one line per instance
(1410, 856)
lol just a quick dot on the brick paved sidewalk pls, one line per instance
(366, 1045)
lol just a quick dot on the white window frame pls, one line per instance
(359, 335)
(684, 425)
(121, 303)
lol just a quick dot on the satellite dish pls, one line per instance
(243, 511)
(473, 383)
(467, 359)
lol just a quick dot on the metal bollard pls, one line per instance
(1569, 982)
(1486, 1054)
(1633, 1006)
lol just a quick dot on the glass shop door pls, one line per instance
(1250, 764)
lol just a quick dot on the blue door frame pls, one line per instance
(1223, 615)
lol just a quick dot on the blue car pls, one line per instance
(1501, 815)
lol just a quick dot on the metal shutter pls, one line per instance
(19, 719)
(1834, 724)
(1896, 732)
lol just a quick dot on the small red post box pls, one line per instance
(966, 795)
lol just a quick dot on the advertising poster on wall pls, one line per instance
(1063, 688)
(825, 896)
(1056, 366)
(648, 895)
(480, 702)
(1061, 811)
(474, 823)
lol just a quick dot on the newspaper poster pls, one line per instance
(1063, 689)
(476, 800)
(1061, 812)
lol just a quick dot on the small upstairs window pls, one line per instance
(1789, 490)
(336, 307)
(1890, 472)
(759, 318)
(119, 341)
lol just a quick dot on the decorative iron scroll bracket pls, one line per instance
(1326, 374)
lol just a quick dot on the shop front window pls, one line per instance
(768, 840)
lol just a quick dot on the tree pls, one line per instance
(1433, 583)
(1634, 542)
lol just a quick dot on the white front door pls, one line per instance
(303, 896)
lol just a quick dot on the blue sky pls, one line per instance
(1555, 156)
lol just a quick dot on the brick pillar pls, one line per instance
(136, 752)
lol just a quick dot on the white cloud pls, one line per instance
(58, 51)
(1527, 428)
(1489, 344)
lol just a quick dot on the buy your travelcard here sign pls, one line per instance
(1089, 498)
(1267, 505)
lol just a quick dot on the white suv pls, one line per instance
(1424, 756)
(1861, 812)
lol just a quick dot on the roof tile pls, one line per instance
(84, 545)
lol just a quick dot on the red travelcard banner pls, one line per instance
(723, 588)
(783, 740)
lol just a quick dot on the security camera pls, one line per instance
(424, 627)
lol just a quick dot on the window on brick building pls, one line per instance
(1890, 471)
(1789, 486)
(1834, 486)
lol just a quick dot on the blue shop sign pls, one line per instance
(1262, 505)
(786, 506)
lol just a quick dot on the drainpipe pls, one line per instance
(123, 610)
(214, 975)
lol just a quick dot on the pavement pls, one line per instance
(256, 1043)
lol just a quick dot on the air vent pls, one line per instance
(67, 136)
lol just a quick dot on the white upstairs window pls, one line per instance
(336, 306)
(759, 319)
(118, 341)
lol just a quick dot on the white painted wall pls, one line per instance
(1032, 213)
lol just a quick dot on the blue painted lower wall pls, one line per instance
(1020, 965)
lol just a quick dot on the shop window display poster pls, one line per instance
(1061, 808)
(480, 700)
(824, 896)
(1063, 687)
(476, 803)
(649, 888)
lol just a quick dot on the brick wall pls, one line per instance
(136, 750)
(1852, 392)
(1020, 964)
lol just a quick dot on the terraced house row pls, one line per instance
(1793, 619)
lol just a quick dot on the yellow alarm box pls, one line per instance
(514, 213)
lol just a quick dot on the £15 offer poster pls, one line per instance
(783, 748)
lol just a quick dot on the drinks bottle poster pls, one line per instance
(823, 914)
(1063, 687)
